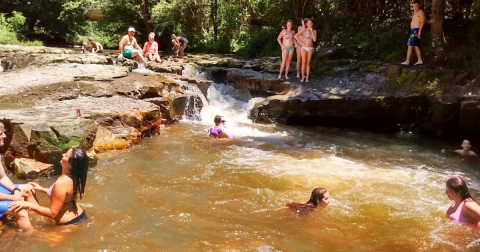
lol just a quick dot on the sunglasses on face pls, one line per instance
(223, 121)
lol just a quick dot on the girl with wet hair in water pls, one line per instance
(465, 208)
(219, 130)
(319, 197)
(63, 207)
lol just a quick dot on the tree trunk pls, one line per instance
(145, 14)
(214, 8)
(438, 11)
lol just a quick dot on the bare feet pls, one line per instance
(307, 80)
(279, 76)
(405, 63)
(301, 80)
(418, 63)
(286, 77)
(298, 76)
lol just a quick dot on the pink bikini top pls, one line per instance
(49, 191)
(457, 215)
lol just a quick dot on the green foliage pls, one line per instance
(406, 77)
(12, 29)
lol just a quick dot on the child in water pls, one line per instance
(319, 197)
(465, 151)
(219, 130)
(84, 48)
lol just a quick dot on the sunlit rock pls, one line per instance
(25, 168)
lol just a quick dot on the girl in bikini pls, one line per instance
(309, 36)
(465, 208)
(63, 207)
(298, 47)
(319, 197)
(287, 47)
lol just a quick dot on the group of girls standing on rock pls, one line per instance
(303, 42)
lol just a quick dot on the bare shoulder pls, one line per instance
(421, 13)
(471, 205)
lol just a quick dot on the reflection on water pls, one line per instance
(183, 191)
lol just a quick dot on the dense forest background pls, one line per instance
(374, 29)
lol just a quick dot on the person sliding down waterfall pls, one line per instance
(219, 130)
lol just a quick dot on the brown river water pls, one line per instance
(182, 191)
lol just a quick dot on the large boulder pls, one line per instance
(25, 168)
(470, 115)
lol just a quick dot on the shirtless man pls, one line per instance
(96, 47)
(465, 150)
(127, 45)
(416, 26)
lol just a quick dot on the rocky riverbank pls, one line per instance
(41, 90)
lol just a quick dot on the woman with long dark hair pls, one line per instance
(63, 193)
(465, 208)
(319, 197)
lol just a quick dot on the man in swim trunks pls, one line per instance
(129, 47)
(465, 150)
(416, 26)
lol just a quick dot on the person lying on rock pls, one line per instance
(319, 197)
(10, 193)
(129, 47)
(96, 47)
(63, 207)
(465, 150)
(219, 130)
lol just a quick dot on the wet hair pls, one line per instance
(91, 39)
(317, 195)
(173, 36)
(459, 187)
(217, 119)
(416, 2)
(79, 163)
(289, 21)
(305, 20)
(2, 126)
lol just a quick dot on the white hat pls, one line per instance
(131, 29)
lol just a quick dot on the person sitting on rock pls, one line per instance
(129, 47)
(10, 192)
(96, 47)
(465, 151)
(151, 49)
(219, 130)
(319, 197)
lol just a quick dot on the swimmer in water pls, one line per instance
(465, 208)
(319, 197)
(465, 151)
(219, 130)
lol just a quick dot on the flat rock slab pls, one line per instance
(16, 81)
(34, 49)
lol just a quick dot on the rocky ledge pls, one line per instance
(48, 108)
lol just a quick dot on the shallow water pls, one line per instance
(182, 191)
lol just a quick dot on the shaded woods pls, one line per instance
(374, 29)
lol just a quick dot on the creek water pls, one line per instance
(183, 191)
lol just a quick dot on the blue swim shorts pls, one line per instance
(5, 204)
(413, 39)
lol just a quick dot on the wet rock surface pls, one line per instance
(40, 95)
